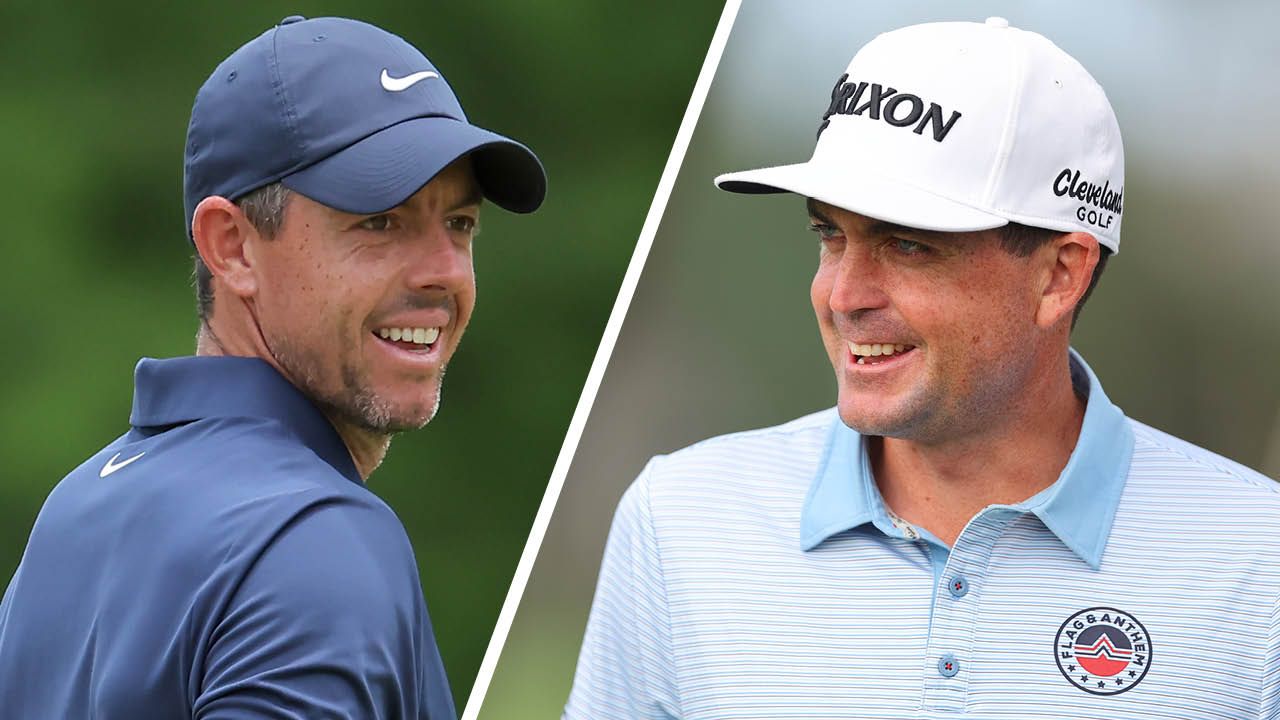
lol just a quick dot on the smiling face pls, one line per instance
(337, 292)
(933, 336)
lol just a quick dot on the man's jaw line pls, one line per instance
(1043, 420)
(367, 445)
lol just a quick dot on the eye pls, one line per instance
(463, 224)
(909, 247)
(378, 223)
(825, 231)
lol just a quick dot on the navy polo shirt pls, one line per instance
(221, 559)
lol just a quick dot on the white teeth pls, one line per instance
(876, 349)
(418, 336)
(862, 361)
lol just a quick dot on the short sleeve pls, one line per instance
(626, 667)
(329, 622)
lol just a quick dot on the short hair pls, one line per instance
(264, 208)
(1022, 240)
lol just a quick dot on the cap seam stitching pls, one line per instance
(282, 97)
(1005, 147)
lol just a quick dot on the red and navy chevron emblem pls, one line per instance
(1103, 651)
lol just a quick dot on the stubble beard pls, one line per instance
(908, 420)
(355, 402)
(925, 416)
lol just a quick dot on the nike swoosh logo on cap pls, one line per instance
(395, 84)
(113, 466)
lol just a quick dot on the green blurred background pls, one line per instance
(94, 101)
(1183, 329)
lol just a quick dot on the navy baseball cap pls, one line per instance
(347, 114)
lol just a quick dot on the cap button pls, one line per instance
(292, 19)
(997, 22)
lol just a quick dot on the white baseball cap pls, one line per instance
(962, 126)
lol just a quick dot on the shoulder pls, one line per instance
(1158, 453)
(256, 465)
(330, 609)
(272, 492)
(755, 475)
(208, 498)
(335, 558)
(795, 446)
(1173, 483)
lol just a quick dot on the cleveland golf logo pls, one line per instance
(886, 103)
(1108, 202)
(1103, 651)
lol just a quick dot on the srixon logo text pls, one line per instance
(886, 103)
(1107, 203)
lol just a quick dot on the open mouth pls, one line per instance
(412, 339)
(878, 353)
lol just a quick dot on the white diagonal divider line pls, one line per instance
(601, 361)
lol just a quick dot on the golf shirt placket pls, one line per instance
(1078, 509)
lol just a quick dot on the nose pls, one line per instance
(440, 260)
(857, 283)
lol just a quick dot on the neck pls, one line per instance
(941, 486)
(367, 448)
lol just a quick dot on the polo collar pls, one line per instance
(181, 390)
(1078, 508)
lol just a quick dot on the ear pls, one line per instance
(1068, 266)
(224, 238)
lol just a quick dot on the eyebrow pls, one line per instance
(812, 206)
(878, 228)
(474, 196)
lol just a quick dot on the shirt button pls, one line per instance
(959, 586)
(948, 665)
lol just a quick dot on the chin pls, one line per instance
(854, 413)
(387, 413)
(413, 416)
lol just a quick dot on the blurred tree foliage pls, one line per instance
(95, 103)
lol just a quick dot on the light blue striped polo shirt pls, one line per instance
(760, 575)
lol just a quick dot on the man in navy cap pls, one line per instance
(223, 558)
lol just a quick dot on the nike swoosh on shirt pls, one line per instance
(113, 466)
(395, 84)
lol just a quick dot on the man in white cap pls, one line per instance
(975, 530)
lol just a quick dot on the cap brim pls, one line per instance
(384, 169)
(880, 198)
